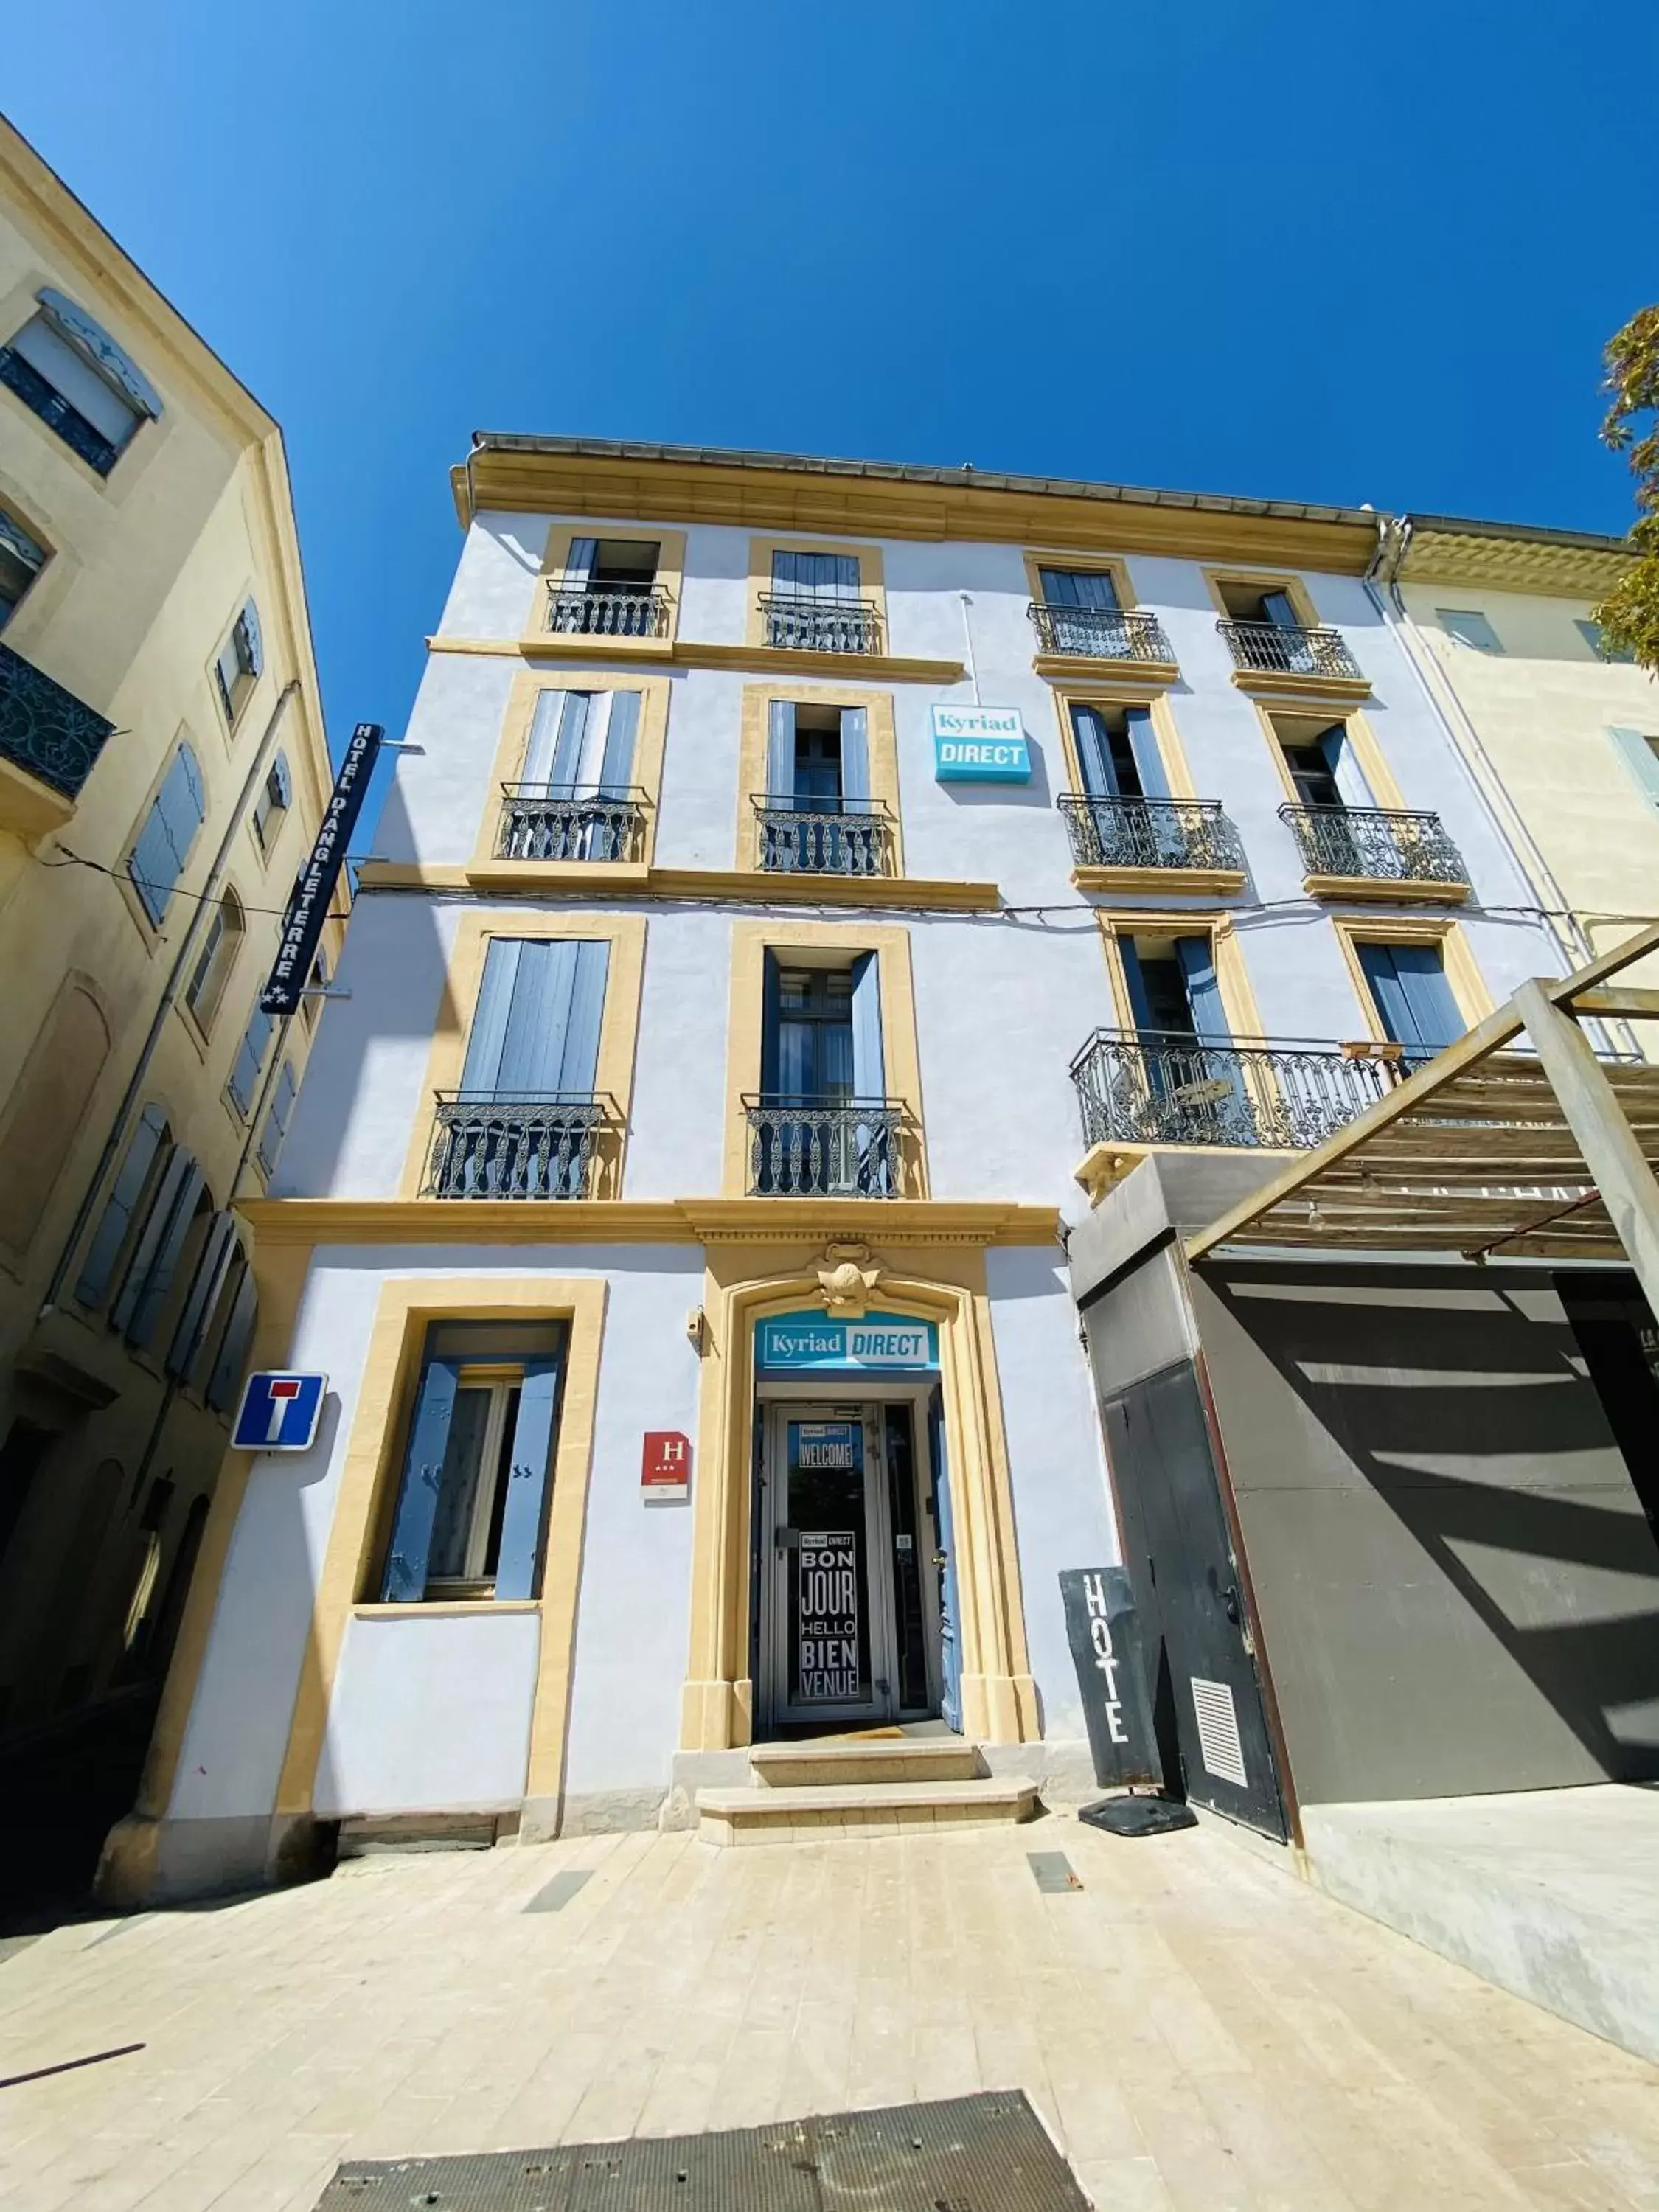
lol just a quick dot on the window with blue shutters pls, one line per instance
(244, 1084)
(1191, 1068)
(1413, 999)
(1118, 753)
(474, 1492)
(816, 575)
(536, 1027)
(822, 1122)
(127, 1206)
(163, 845)
(241, 658)
(72, 373)
(276, 1119)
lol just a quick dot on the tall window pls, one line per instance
(484, 1423)
(1640, 753)
(821, 1123)
(219, 946)
(241, 659)
(21, 560)
(816, 575)
(276, 797)
(582, 743)
(536, 1030)
(244, 1082)
(162, 847)
(1413, 1000)
(127, 1205)
(600, 565)
(69, 371)
(282, 1106)
(1194, 1087)
(1118, 754)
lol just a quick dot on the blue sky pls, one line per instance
(1338, 252)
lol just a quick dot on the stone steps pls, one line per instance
(822, 1790)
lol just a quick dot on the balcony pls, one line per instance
(797, 840)
(1162, 1088)
(826, 1147)
(506, 1144)
(553, 821)
(798, 625)
(55, 412)
(1373, 852)
(52, 737)
(1101, 634)
(1183, 839)
(1278, 656)
(593, 612)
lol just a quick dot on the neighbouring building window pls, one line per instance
(205, 1304)
(1640, 753)
(127, 1204)
(69, 371)
(241, 1307)
(1413, 998)
(21, 560)
(219, 947)
(311, 1003)
(165, 1250)
(276, 797)
(1469, 626)
(244, 1082)
(1591, 633)
(46, 1109)
(486, 1407)
(281, 1105)
(241, 659)
(162, 847)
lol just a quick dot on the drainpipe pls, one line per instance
(203, 899)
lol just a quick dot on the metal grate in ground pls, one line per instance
(989, 2153)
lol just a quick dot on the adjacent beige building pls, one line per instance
(1563, 733)
(162, 770)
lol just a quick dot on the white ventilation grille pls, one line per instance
(1217, 1732)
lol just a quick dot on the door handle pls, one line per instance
(1230, 1603)
(941, 1559)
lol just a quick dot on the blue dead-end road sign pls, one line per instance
(279, 1412)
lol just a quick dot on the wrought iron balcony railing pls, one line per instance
(510, 1145)
(55, 412)
(596, 611)
(826, 1147)
(798, 838)
(1151, 833)
(565, 821)
(821, 625)
(46, 729)
(1162, 1088)
(1380, 844)
(1278, 649)
(1102, 633)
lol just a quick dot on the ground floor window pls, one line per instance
(470, 1514)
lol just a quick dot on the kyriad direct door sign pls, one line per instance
(979, 745)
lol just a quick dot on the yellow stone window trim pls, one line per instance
(741, 1287)
(1085, 691)
(367, 1497)
(1463, 975)
(555, 566)
(1124, 681)
(1288, 685)
(486, 868)
(754, 717)
(619, 1026)
(1379, 778)
(901, 1055)
(873, 585)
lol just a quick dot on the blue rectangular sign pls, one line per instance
(279, 1412)
(979, 745)
(810, 1341)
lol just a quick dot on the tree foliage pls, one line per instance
(1629, 615)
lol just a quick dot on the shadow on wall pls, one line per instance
(1473, 1423)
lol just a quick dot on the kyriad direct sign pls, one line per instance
(979, 745)
(809, 1341)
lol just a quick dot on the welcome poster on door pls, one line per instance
(828, 1659)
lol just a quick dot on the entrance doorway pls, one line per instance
(852, 1584)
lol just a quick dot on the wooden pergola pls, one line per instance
(1489, 1153)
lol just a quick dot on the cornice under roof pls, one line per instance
(1510, 555)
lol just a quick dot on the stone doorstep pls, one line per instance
(882, 1808)
(781, 1765)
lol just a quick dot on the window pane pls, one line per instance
(458, 1484)
(1469, 626)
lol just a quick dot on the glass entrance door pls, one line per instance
(831, 1610)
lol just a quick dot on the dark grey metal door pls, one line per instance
(1159, 1447)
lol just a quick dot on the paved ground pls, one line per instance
(1200, 2029)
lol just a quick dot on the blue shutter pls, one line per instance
(840, 575)
(780, 751)
(950, 1631)
(281, 1105)
(255, 642)
(1277, 606)
(179, 1165)
(1059, 588)
(244, 1075)
(539, 753)
(164, 1261)
(1140, 1007)
(771, 1024)
(1637, 751)
(529, 1466)
(621, 732)
(164, 843)
(282, 781)
(120, 1207)
(1094, 753)
(1197, 959)
(573, 737)
(855, 757)
(869, 1076)
(532, 1045)
(1149, 761)
(233, 1346)
(579, 567)
(482, 1072)
(216, 1256)
(1408, 984)
(1337, 747)
(417, 1503)
(579, 1060)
